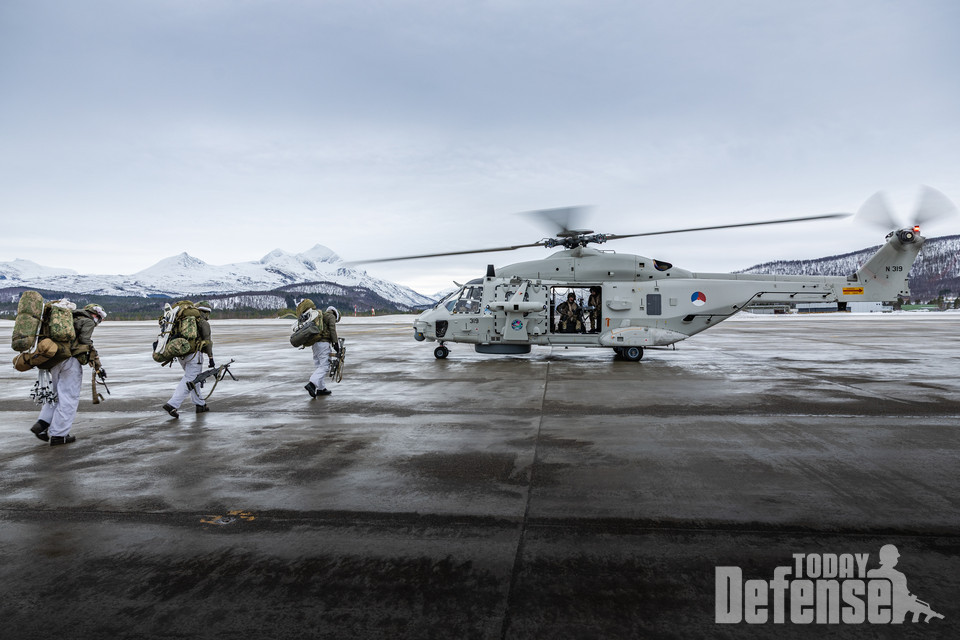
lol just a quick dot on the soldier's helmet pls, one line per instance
(97, 311)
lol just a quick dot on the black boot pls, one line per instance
(39, 429)
(67, 439)
(171, 410)
(202, 408)
(311, 389)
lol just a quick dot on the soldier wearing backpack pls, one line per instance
(65, 369)
(192, 363)
(322, 338)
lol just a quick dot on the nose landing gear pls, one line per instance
(441, 352)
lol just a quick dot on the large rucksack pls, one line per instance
(310, 326)
(179, 332)
(43, 333)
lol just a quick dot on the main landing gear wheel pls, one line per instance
(633, 354)
(441, 352)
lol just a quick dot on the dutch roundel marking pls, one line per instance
(698, 299)
(516, 325)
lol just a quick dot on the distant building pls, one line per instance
(853, 307)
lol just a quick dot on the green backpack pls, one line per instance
(26, 328)
(43, 322)
(179, 332)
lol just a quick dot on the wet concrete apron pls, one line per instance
(560, 494)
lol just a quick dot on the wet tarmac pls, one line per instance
(561, 494)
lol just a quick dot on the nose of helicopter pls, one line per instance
(424, 325)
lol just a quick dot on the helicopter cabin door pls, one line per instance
(576, 309)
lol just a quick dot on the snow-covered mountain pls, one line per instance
(936, 269)
(184, 275)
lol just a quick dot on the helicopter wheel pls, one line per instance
(441, 352)
(633, 354)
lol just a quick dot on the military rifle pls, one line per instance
(101, 373)
(217, 374)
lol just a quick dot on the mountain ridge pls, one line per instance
(186, 275)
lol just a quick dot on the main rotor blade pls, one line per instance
(876, 211)
(448, 253)
(561, 220)
(932, 205)
(827, 216)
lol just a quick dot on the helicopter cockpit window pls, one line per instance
(468, 300)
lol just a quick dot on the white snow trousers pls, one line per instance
(321, 359)
(67, 378)
(192, 366)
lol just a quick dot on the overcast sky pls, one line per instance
(132, 131)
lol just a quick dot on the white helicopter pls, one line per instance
(581, 296)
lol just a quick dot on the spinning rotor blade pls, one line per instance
(877, 212)
(932, 205)
(448, 253)
(564, 221)
(615, 236)
(563, 217)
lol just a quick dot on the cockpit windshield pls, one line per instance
(466, 301)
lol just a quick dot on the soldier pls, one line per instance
(593, 303)
(320, 345)
(570, 315)
(193, 364)
(55, 419)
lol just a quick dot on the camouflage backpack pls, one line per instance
(43, 333)
(308, 327)
(179, 332)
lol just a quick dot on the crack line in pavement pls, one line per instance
(518, 557)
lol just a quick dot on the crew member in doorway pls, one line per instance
(571, 315)
(593, 305)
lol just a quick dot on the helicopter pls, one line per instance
(586, 297)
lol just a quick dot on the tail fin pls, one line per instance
(884, 276)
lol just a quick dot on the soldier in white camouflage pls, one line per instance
(192, 364)
(320, 346)
(56, 419)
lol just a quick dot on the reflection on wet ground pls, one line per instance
(558, 494)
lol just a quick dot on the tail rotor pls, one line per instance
(931, 205)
